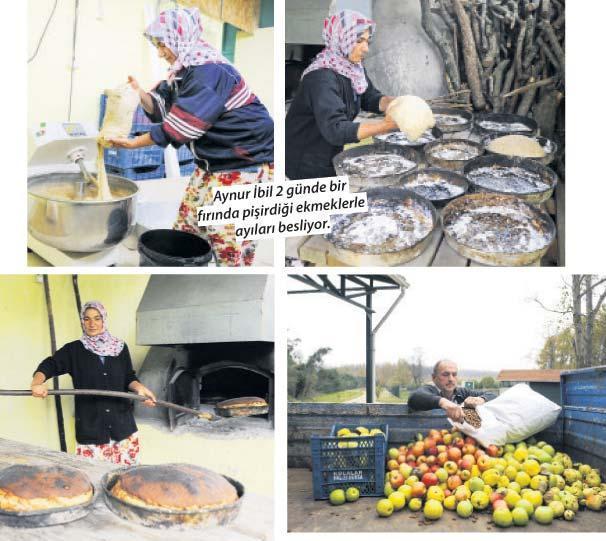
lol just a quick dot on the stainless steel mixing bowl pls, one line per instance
(78, 225)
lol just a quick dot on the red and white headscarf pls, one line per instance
(103, 344)
(340, 34)
(181, 31)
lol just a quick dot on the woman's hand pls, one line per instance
(134, 83)
(144, 140)
(144, 391)
(39, 390)
(122, 142)
(390, 124)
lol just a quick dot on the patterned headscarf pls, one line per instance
(181, 31)
(103, 344)
(340, 34)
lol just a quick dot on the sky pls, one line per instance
(479, 318)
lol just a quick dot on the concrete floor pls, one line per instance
(308, 515)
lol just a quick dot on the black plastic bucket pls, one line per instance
(171, 248)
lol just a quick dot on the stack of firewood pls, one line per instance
(502, 55)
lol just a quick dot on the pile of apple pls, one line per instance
(516, 482)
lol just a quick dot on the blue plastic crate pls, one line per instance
(126, 158)
(336, 464)
(184, 154)
(137, 173)
(187, 168)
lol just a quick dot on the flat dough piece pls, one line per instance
(517, 145)
(412, 115)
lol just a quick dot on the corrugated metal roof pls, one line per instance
(530, 375)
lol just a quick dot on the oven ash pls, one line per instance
(503, 126)
(433, 188)
(386, 227)
(399, 138)
(515, 180)
(498, 229)
(449, 120)
(377, 165)
(454, 153)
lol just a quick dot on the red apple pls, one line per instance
(424, 468)
(430, 479)
(418, 449)
(396, 479)
(469, 449)
(401, 459)
(453, 482)
(454, 453)
(492, 450)
(431, 460)
(458, 442)
(411, 458)
(442, 458)
(418, 490)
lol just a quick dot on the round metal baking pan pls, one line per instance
(361, 181)
(446, 127)
(453, 145)
(156, 517)
(549, 147)
(48, 517)
(451, 177)
(540, 220)
(547, 176)
(399, 139)
(504, 119)
(359, 258)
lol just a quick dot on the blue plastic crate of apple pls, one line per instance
(137, 173)
(352, 456)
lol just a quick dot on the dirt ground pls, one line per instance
(308, 515)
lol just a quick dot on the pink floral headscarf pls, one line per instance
(181, 31)
(340, 34)
(103, 344)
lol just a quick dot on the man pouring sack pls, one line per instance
(445, 394)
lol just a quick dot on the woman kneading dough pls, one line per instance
(206, 104)
(105, 427)
(333, 90)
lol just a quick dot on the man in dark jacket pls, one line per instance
(445, 394)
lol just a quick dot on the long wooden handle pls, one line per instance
(114, 394)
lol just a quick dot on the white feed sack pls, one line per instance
(513, 416)
(412, 115)
(119, 110)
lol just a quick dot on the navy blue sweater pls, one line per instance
(211, 109)
(320, 122)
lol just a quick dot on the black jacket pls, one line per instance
(428, 397)
(97, 418)
(320, 122)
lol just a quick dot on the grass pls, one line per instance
(339, 396)
(385, 397)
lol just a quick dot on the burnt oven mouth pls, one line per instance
(202, 387)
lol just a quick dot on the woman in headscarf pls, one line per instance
(105, 427)
(333, 89)
(206, 104)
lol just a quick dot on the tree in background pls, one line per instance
(487, 382)
(417, 367)
(581, 341)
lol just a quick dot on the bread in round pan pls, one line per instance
(242, 402)
(32, 488)
(177, 487)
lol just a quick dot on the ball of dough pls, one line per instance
(412, 115)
